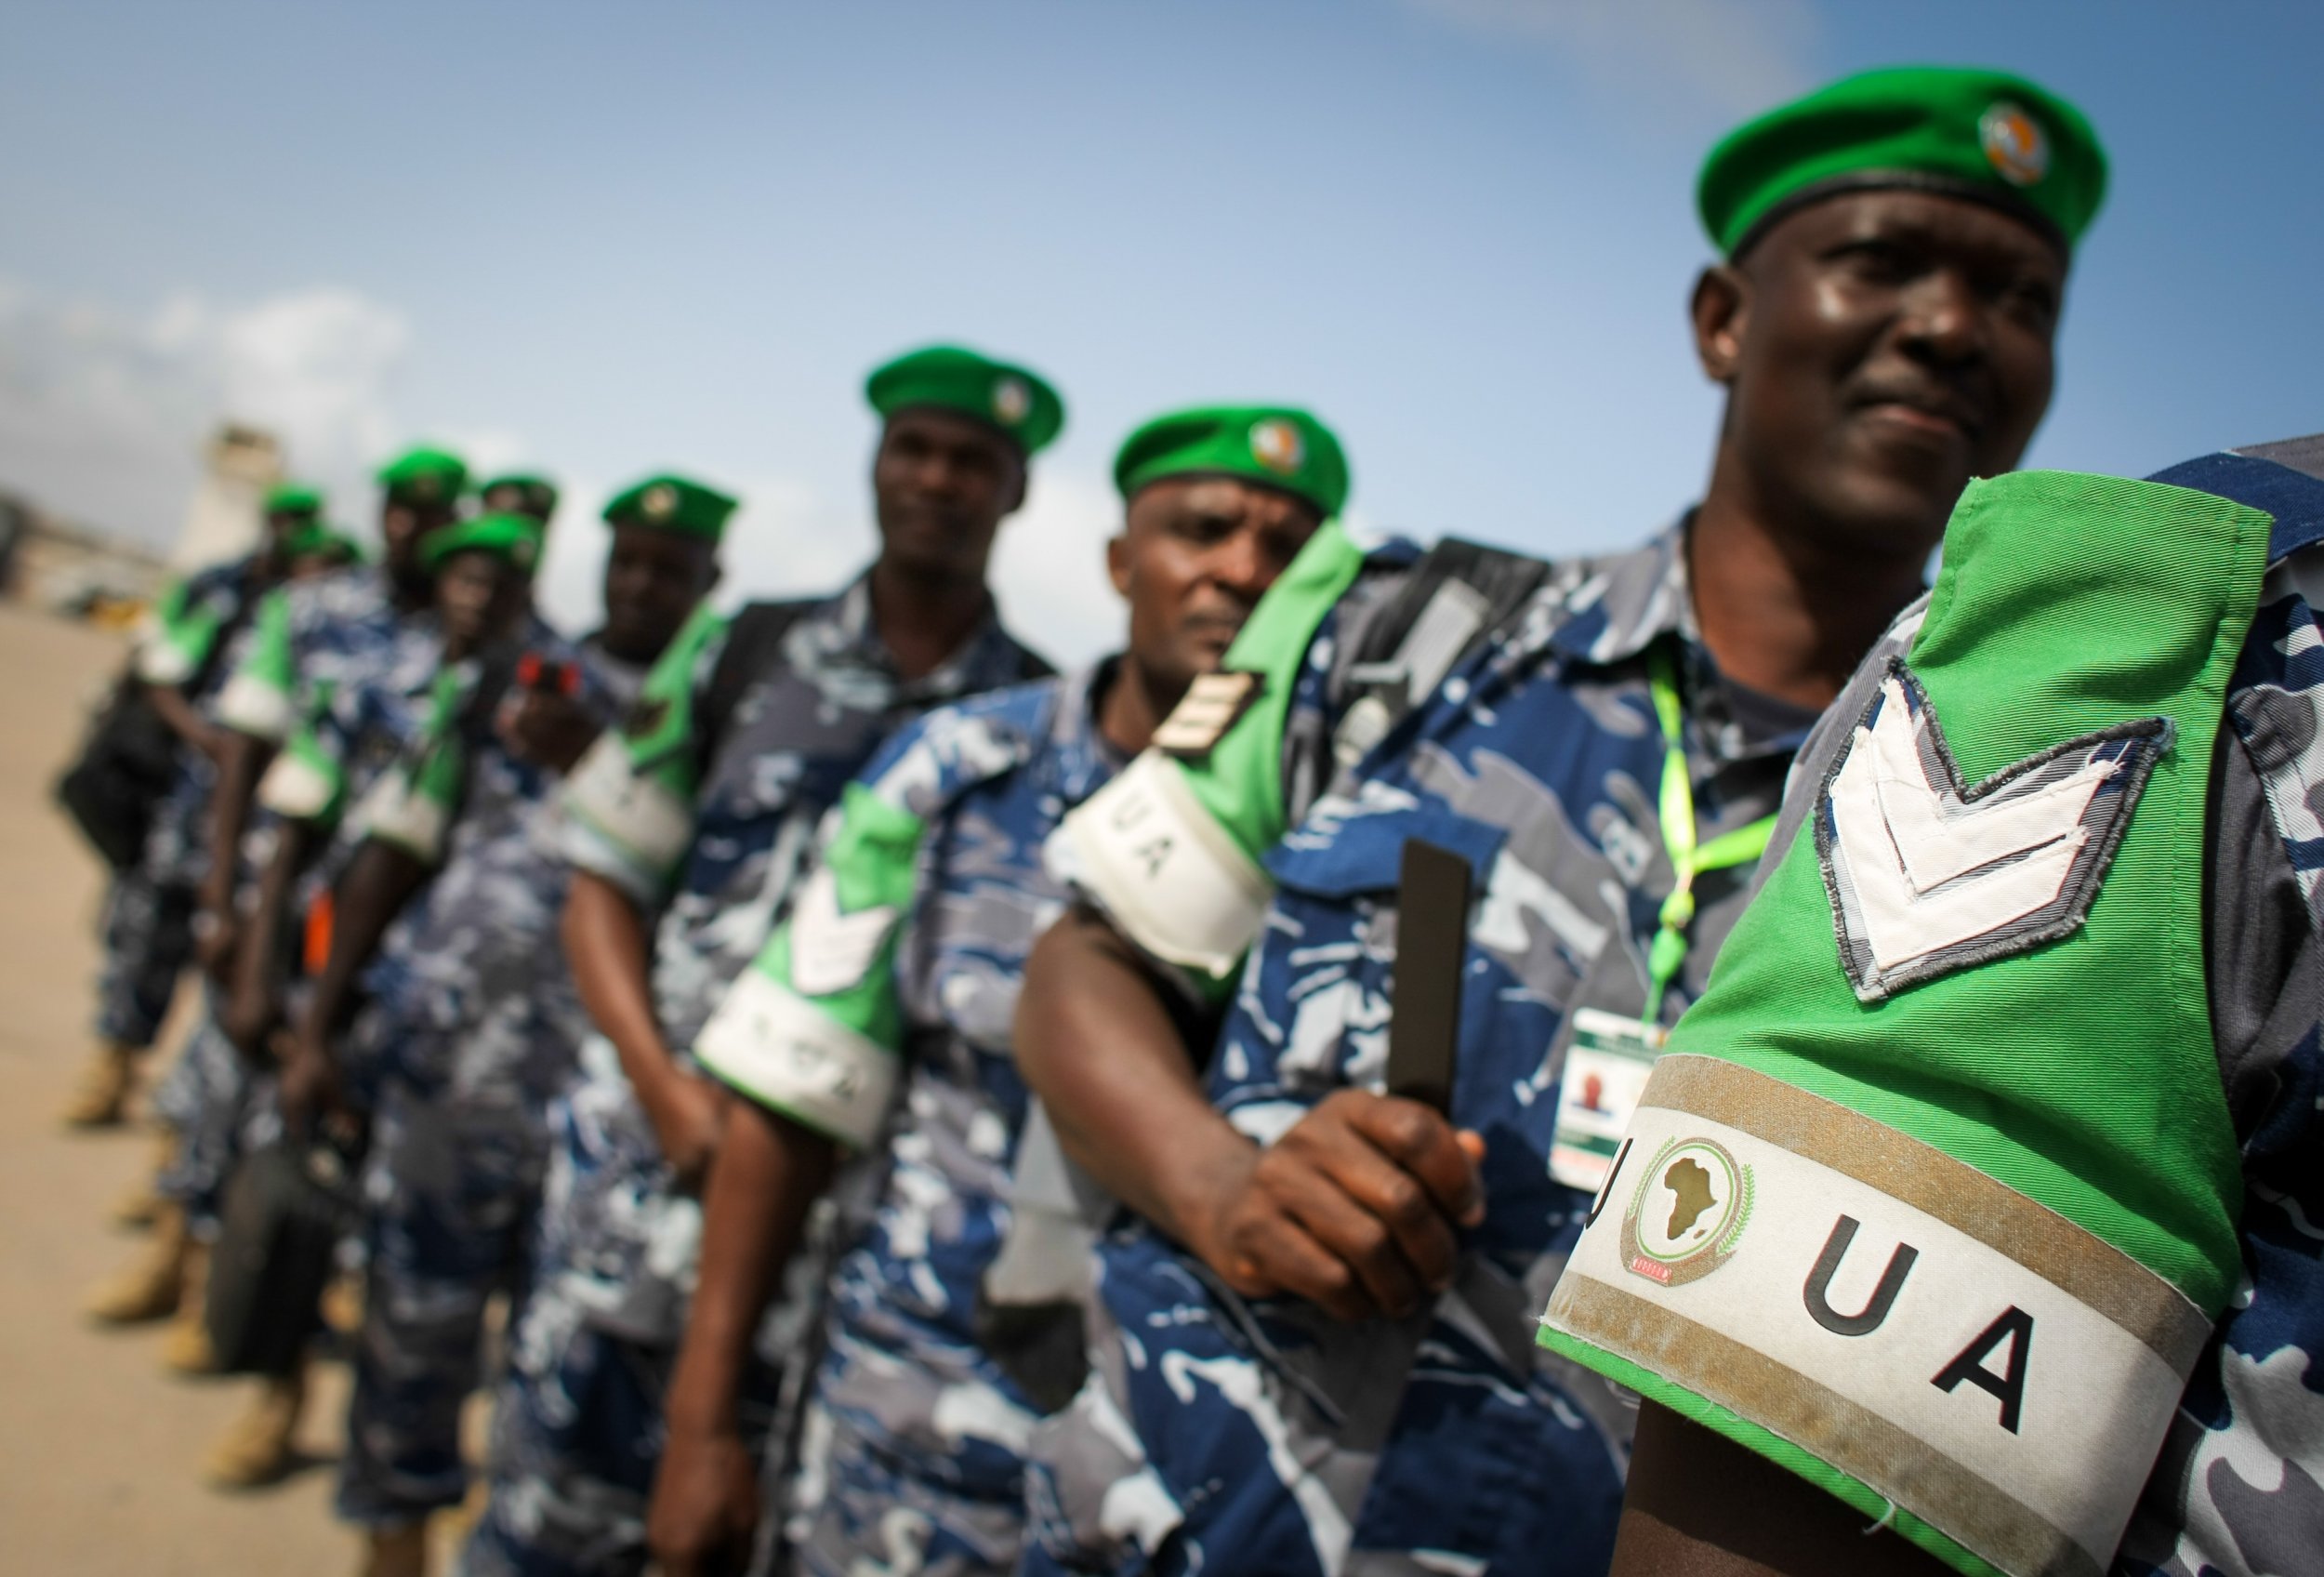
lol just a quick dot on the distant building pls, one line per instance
(222, 520)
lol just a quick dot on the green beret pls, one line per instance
(1982, 135)
(672, 503)
(513, 539)
(1019, 402)
(424, 476)
(294, 499)
(536, 494)
(313, 537)
(1275, 444)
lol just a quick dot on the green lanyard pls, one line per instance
(1688, 858)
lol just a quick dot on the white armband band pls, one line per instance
(654, 826)
(780, 1049)
(296, 788)
(1990, 1366)
(160, 661)
(249, 704)
(393, 814)
(1175, 880)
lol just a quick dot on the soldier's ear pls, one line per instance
(1720, 310)
(1117, 561)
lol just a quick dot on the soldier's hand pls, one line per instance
(551, 730)
(706, 1505)
(216, 932)
(247, 1017)
(687, 1111)
(308, 1088)
(1355, 1209)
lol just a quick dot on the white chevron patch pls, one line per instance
(832, 950)
(1927, 876)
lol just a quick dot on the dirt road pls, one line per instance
(98, 1446)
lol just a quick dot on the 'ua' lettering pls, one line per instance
(2016, 1327)
(1866, 1319)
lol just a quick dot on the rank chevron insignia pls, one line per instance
(1927, 876)
(832, 950)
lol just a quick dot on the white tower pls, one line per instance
(223, 518)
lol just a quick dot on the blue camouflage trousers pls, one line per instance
(450, 1190)
(207, 1099)
(147, 933)
(578, 1435)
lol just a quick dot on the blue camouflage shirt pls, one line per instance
(901, 962)
(1221, 1434)
(713, 849)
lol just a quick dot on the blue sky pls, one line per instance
(609, 238)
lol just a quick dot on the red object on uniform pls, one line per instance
(536, 672)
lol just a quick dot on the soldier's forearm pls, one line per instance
(379, 881)
(240, 766)
(767, 1176)
(1700, 1506)
(606, 943)
(1095, 1039)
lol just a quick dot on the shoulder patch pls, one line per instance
(1927, 876)
(1209, 708)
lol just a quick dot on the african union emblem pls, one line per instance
(2014, 144)
(660, 501)
(1687, 1213)
(1013, 402)
(1275, 444)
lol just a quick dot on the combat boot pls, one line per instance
(151, 1285)
(186, 1345)
(141, 1205)
(255, 1450)
(102, 1096)
(396, 1552)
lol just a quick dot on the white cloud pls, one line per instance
(1729, 56)
(104, 413)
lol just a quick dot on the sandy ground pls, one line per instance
(98, 1448)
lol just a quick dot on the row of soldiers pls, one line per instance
(944, 1117)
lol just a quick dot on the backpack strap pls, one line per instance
(1458, 592)
(754, 644)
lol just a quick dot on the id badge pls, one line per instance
(1606, 1067)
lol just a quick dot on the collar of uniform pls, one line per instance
(1078, 728)
(986, 660)
(1619, 605)
(1610, 610)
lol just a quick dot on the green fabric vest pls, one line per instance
(2081, 1073)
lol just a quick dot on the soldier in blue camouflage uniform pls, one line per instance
(472, 1021)
(180, 662)
(886, 998)
(2234, 1489)
(687, 834)
(1314, 1353)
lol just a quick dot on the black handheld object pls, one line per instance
(1431, 945)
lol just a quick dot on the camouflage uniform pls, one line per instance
(911, 1448)
(1221, 1434)
(473, 1026)
(148, 910)
(577, 1432)
(309, 641)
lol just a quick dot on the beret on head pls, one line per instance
(673, 503)
(534, 494)
(1277, 445)
(513, 539)
(314, 537)
(1014, 400)
(1981, 135)
(424, 476)
(294, 499)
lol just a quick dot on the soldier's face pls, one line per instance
(942, 483)
(652, 580)
(1881, 349)
(401, 527)
(478, 599)
(1193, 559)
